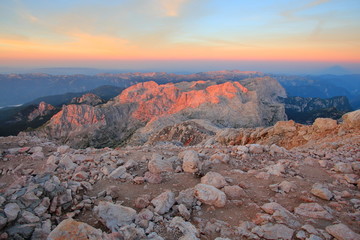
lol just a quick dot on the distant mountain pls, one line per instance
(335, 70)
(323, 86)
(21, 88)
(148, 107)
(306, 110)
(37, 112)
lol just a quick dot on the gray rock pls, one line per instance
(67, 163)
(164, 202)
(3, 222)
(255, 148)
(43, 207)
(186, 197)
(11, 210)
(281, 214)
(119, 172)
(210, 195)
(158, 164)
(188, 230)
(29, 217)
(342, 232)
(184, 212)
(274, 231)
(114, 216)
(214, 179)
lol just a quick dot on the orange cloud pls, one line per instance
(172, 7)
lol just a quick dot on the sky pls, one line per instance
(168, 34)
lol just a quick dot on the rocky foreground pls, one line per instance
(306, 186)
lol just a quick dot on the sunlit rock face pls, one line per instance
(148, 107)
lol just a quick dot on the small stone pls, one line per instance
(321, 192)
(118, 173)
(188, 230)
(234, 192)
(342, 232)
(11, 210)
(139, 180)
(343, 167)
(30, 217)
(184, 212)
(142, 201)
(191, 161)
(153, 178)
(163, 202)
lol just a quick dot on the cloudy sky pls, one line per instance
(98, 33)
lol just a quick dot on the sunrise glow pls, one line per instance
(313, 30)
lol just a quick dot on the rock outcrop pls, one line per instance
(89, 99)
(249, 103)
(42, 110)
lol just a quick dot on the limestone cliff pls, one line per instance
(145, 108)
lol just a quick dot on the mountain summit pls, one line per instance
(148, 107)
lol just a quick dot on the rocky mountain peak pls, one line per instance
(42, 110)
(89, 99)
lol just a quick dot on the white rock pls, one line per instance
(164, 202)
(277, 169)
(114, 216)
(210, 195)
(191, 161)
(214, 179)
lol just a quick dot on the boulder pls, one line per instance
(70, 229)
(214, 179)
(114, 216)
(352, 119)
(321, 192)
(324, 124)
(119, 172)
(210, 195)
(234, 192)
(274, 231)
(343, 167)
(312, 210)
(158, 164)
(186, 197)
(164, 202)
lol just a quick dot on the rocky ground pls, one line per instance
(207, 191)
